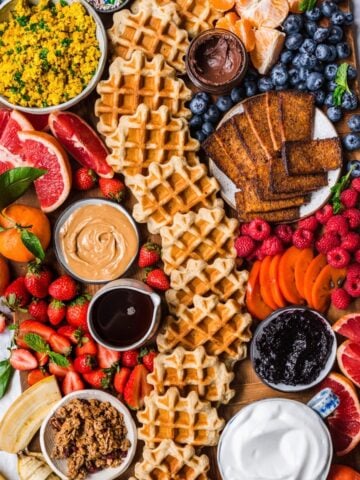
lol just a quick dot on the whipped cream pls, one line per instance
(275, 439)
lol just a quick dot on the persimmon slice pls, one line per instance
(254, 301)
(328, 279)
(286, 276)
(265, 281)
(305, 258)
(274, 283)
(311, 274)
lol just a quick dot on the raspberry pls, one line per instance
(357, 256)
(352, 215)
(327, 242)
(259, 229)
(244, 246)
(340, 298)
(272, 246)
(324, 214)
(355, 184)
(259, 254)
(353, 272)
(349, 197)
(303, 238)
(284, 232)
(351, 242)
(352, 286)
(337, 224)
(245, 229)
(310, 223)
(338, 257)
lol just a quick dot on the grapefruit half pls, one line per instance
(348, 356)
(349, 326)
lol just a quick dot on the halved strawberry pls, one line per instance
(97, 378)
(107, 358)
(60, 371)
(36, 375)
(60, 344)
(85, 363)
(22, 359)
(74, 334)
(120, 379)
(86, 346)
(32, 326)
(42, 358)
(72, 383)
(137, 388)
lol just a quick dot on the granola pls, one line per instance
(91, 434)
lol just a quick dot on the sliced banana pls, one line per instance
(32, 466)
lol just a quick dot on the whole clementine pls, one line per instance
(4, 275)
(15, 216)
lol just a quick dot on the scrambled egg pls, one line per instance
(48, 53)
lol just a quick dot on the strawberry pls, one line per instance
(76, 313)
(149, 254)
(42, 358)
(107, 358)
(157, 279)
(60, 344)
(84, 179)
(16, 294)
(63, 288)
(72, 383)
(22, 359)
(74, 334)
(58, 371)
(147, 357)
(36, 375)
(33, 326)
(38, 279)
(97, 378)
(137, 388)
(38, 310)
(84, 363)
(120, 379)
(2, 323)
(112, 188)
(56, 311)
(130, 358)
(87, 345)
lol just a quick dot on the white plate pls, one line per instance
(323, 128)
(47, 435)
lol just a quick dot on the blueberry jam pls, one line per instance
(293, 348)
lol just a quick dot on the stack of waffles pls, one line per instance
(142, 114)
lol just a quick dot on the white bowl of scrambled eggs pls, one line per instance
(53, 53)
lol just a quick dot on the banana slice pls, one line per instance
(23, 419)
(32, 466)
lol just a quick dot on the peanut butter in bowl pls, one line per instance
(96, 240)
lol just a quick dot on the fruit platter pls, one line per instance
(179, 240)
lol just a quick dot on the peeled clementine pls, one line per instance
(4, 275)
(244, 29)
(11, 245)
(263, 13)
(268, 45)
(228, 21)
(222, 5)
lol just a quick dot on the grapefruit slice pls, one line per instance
(81, 142)
(348, 356)
(311, 274)
(344, 423)
(265, 283)
(274, 282)
(286, 276)
(328, 279)
(39, 122)
(349, 326)
(268, 45)
(263, 13)
(305, 258)
(44, 151)
(254, 301)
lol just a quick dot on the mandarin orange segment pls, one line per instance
(328, 279)
(274, 283)
(254, 302)
(305, 258)
(244, 29)
(222, 5)
(268, 45)
(286, 276)
(263, 13)
(265, 281)
(228, 21)
(311, 274)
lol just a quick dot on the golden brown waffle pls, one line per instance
(192, 370)
(153, 29)
(149, 136)
(205, 235)
(169, 461)
(221, 327)
(185, 420)
(170, 188)
(198, 277)
(135, 81)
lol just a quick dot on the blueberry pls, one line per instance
(293, 24)
(319, 97)
(349, 101)
(237, 94)
(198, 105)
(311, 28)
(308, 46)
(321, 34)
(354, 123)
(224, 103)
(205, 96)
(351, 141)
(207, 128)
(304, 74)
(329, 100)
(279, 75)
(314, 14)
(286, 56)
(294, 41)
(328, 8)
(296, 60)
(349, 18)
(265, 84)
(330, 71)
(307, 60)
(250, 88)
(199, 135)
(294, 76)
(338, 18)
(336, 35)
(319, 67)
(195, 122)
(334, 114)
(343, 50)
(332, 53)
(212, 114)
(354, 165)
(331, 86)
(301, 86)
(315, 81)
(322, 52)
(351, 73)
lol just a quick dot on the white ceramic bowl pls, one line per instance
(102, 39)
(47, 435)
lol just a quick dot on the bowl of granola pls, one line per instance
(89, 435)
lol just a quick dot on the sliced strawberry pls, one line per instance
(32, 326)
(36, 375)
(42, 358)
(107, 358)
(74, 334)
(85, 363)
(87, 345)
(120, 379)
(2, 323)
(60, 371)
(147, 357)
(60, 344)
(97, 378)
(72, 383)
(22, 359)
(137, 388)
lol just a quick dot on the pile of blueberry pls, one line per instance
(351, 141)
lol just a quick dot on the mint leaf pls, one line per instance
(59, 359)
(36, 343)
(306, 5)
(6, 371)
(337, 189)
(15, 182)
(32, 243)
(342, 84)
